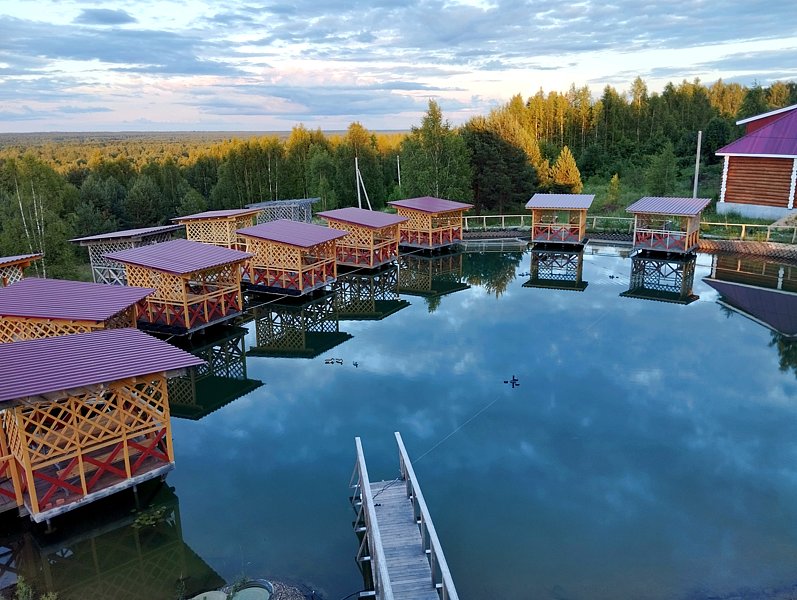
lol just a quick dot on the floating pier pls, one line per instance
(431, 223)
(105, 270)
(84, 416)
(196, 284)
(400, 553)
(38, 308)
(372, 237)
(559, 218)
(670, 225)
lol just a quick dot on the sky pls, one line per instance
(73, 65)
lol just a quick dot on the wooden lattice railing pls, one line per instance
(556, 232)
(663, 240)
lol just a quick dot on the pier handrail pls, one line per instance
(379, 572)
(431, 543)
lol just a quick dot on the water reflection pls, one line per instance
(666, 279)
(215, 384)
(557, 269)
(368, 296)
(300, 328)
(431, 277)
(114, 551)
(492, 269)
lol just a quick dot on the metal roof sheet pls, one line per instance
(431, 205)
(8, 260)
(360, 216)
(561, 201)
(217, 214)
(778, 138)
(127, 233)
(68, 300)
(179, 256)
(293, 233)
(771, 113)
(69, 361)
(657, 205)
(775, 309)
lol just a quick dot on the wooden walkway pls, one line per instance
(407, 564)
(400, 553)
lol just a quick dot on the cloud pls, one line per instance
(104, 16)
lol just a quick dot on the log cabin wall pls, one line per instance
(762, 181)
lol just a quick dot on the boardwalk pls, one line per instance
(401, 555)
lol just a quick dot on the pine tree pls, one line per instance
(565, 174)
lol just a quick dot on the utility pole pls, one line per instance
(398, 168)
(697, 162)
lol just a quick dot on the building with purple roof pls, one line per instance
(196, 284)
(670, 225)
(84, 416)
(218, 227)
(431, 222)
(372, 237)
(37, 308)
(759, 174)
(111, 272)
(12, 268)
(559, 218)
(290, 257)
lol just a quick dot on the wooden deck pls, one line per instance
(407, 564)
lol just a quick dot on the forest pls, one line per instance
(624, 144)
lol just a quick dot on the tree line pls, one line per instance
(60, 186)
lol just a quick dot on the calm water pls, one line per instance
(650, 450)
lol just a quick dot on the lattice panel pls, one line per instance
(291, 268)
(662, 275)
(15, 329)
(285, 327)
(10, 274)
(168, 286)
(10, 489)
(556, 266)
(297, 210)
(219, 232)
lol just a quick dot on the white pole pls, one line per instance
(357, 181)
(697, 162)
(398, 167)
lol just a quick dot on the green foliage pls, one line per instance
(151, 517)
(142, 206)
(24, 591)
(662, 172)
(565, 175)
(613, 191)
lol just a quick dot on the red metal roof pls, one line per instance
(293, 233)
(68, 300)
(128, 233)
(19, 258)
(360, 216)
(218, 214)
(429, 204)
(657, 205)
(69, 361)
(778, 138)
(561, 201)
(773, 308)
(179, 256)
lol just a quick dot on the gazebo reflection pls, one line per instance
(368, 296)
(557, 269)
(431, 276)
(662, 278)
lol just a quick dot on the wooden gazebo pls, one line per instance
(12, 268)
(667, 224)
(289, 257)
(368, 295)
(298, 209)
(37, 308)
(557, 269)
(663, 278)
(372, 237)
(195, 284)
(108, 271)
(218, 227)
(297, 328)
(559, 218)
(94, 420)
(222, 378)
(431, 222)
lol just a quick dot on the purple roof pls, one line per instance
(561, 201)
(293, 233)
(64, 299)
(657, 205)
(69, 361)
(360, 216)
(775, 309)
(128, 233)
(218, 214)
(7, 260)
(778, 138)
(179, 256)
(431, 205)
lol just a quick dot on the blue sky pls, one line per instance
(73, 65)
